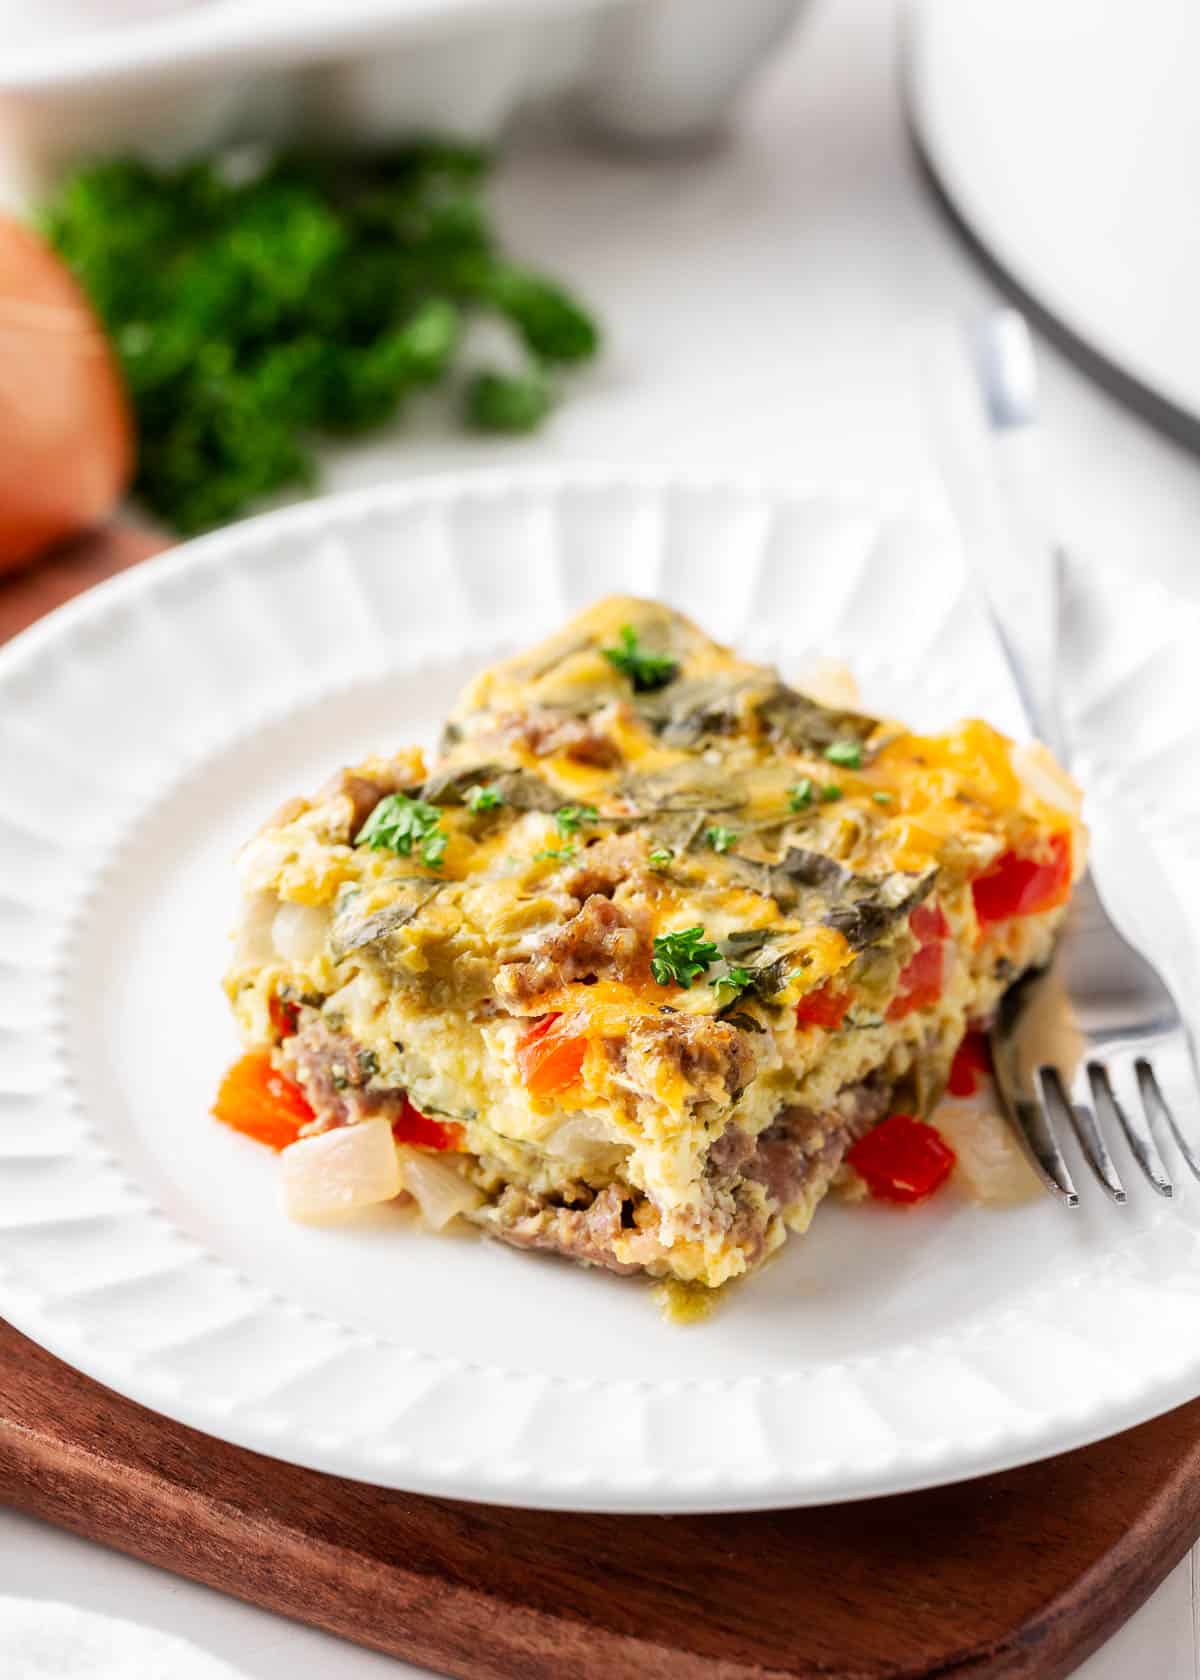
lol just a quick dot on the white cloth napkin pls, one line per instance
(41, 1639)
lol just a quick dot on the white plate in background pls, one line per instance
(1065, 138)
(148, 727)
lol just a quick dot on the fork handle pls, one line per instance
(982, 402)
(1024, 575)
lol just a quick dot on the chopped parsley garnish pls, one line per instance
(400, 824)
(555, 854)
(802, 794)
(433, 850)
(731, 984)
(881, 798)
(484, 799)
(830, 793)
(661, 856)
(679, 958)
(720, 839)
(569, 818)
(645, 670)
(846, 753)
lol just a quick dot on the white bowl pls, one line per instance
(170, 79)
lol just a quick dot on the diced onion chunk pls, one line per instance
(340, 1170)
(298, 931)
(439, 1188)
(582, 1138)
(992, 1166)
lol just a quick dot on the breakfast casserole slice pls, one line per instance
(654, 945)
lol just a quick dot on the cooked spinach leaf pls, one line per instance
(801, 868)
(812, 887)
(807, 726)
(689, 712)
(743, 942)
(689, 786)
(679, 830)
(519, 789)
(352, 932)
(742, 1019)
(877, 906)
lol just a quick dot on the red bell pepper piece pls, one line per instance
(414, 1127)
(971, 1060)
(260, 1103)
(550, 1061)
(824, 1007)
(1024, 886)
(902, 1159)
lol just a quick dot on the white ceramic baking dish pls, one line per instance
(169, 78)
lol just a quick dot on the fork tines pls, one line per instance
(1090, 1107)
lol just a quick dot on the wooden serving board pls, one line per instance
(1014, 1577)
(1019, 1575)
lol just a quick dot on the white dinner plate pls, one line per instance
(148, 727)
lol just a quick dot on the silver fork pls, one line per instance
(1135, 1040)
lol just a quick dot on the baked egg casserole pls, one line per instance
(656, 951)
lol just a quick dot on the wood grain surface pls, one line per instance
(1019, 1575)
(1014, 1577)
(37, 589)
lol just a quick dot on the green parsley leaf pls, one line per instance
(568, 818)
(661, 856)
(433, 849)
(555, 854)
(507, 402)
(645, 670)
(720, 839)
(802, 794)
(484, 799)
(846, 753)
(398, 824)
(549, 320)
(831, 792)
(679, 958)
(731, 984)
(881, 798)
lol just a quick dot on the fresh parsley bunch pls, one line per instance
(315, 295)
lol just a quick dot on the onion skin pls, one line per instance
(68, 445)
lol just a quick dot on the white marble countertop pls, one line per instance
(764, 299)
